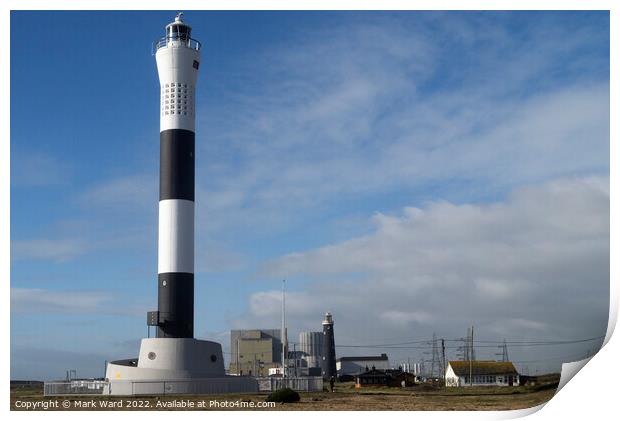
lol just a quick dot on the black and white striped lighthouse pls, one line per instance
(195, 366)
(178, 59)
(329, 348)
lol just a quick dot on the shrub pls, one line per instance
(545, 386)
(285, 395)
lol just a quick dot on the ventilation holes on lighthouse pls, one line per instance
(177, 99)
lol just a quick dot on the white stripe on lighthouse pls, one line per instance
(177, 78)
(176, 236)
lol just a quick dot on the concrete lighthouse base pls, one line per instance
(174, 366)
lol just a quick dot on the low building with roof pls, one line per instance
(386, 378)
(483, 373)
(350, 366)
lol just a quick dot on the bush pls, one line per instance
(427, 387)
(545, 386)
(285, 395)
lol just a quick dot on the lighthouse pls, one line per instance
(174, 362)
(178, 61)
(329, 348)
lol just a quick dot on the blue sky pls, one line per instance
(385, 164)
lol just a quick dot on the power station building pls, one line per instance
(255, 351)
(311, 346)
(258, 352)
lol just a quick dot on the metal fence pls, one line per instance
(300, 384)
(195, 386)
(162, 42)
(205, 386)
(74, 387)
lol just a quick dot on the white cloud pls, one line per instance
(48, 301)
(404, 318)
(497, 288)
(532, 218)
(48, 363)
(340, 115)
(37, 300)
(37, 169)
(120, 214)
(59, 250)
(353, 121)
(535, 265)
(269, 304)
(213, 258)
(131, 192)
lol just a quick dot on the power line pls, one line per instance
(541, 341)
(435, 368)
(443, 359)
(504, 353)
(449, 347)
(501, 342)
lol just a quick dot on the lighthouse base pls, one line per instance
(174, 366)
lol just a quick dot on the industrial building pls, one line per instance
(350, 366)
(255, 351)
(481, 373)
(311, 346)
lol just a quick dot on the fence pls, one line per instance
(194, 386)
(207, 386)
(74, 387)
(301, 384)
(204, 386)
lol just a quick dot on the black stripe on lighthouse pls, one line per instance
(176, 164)
(176, 181)
(176, 305)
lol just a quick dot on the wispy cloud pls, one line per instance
(355, 111)
(268, 303)
(37, 169)
(27, 363)
(58, 250)
(358, 111)
(406, 318)
(68, 302)
(37, 300)
(119, 213)
(126, 193)
(212, 257)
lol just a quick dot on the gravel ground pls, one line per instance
(345, 399)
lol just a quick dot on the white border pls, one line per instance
(590, 395)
